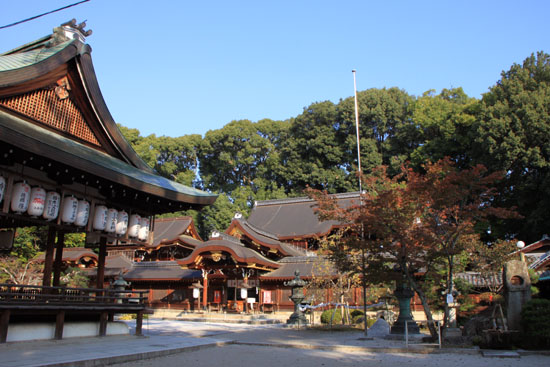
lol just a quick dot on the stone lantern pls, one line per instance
(404, 293)
(297, 284)
(120, 285)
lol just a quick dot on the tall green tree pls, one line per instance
(445, 127)
(514, 136)
(239, 154)
(312, 154)
(387, 132)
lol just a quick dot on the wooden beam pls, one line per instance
(101, 262)
(4, 323)
(48, 260)
(58, 263)
(59, 323)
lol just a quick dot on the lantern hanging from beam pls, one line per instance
(134, 225)
(36, 202)
(51, 209)
(100, 217)
(143, 229)
(121, 223)
(70, 206)
(82, 213)
(20, 197)
(112, 215)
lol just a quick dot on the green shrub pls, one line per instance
(535, 317)
(327, 315)
(535, 320)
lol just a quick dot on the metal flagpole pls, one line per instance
(360, 173)
(357, 132)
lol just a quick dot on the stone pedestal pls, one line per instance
(452, 331)
(404, 295)
(517, 291)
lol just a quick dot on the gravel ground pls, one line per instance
(278, 346)
(242, 355)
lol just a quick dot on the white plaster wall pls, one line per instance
(40, 331)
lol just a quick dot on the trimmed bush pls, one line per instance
(327, 314)
(535, 320)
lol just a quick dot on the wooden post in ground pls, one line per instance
(103, 323)
(139, 323)
(4, 323)
(205, 290)
(59, 323)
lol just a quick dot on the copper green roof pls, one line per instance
(24, 59)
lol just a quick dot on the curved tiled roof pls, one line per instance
(170, 229)
(231, 245)
(72, 254)
(160, 270)
(305, 264)
(265, 238)
(295, 218)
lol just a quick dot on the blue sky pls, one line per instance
(185, 67)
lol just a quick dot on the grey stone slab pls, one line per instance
(500, 354)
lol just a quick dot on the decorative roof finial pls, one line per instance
(68, 31)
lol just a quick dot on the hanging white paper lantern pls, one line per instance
(143, 229)
(70, 205)
(52, 205)
(100, 218)
(196, 292)
(133, 229)
(20, 197)
(82, 213)
(2, 187)
(37, 202)
(244, 293)
(112, 215)
(121, 223)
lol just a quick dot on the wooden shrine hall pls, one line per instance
(64, 164)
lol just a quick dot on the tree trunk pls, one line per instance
(426, 307)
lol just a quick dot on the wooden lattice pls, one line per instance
(45, 106)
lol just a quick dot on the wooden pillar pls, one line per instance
(59, 323)
(139, 323)
(101, 262)
(48, 260)
(4, 323)
(58, 263)
(205, 291)
(103, 323)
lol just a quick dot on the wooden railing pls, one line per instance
(59, 301)
(35, 294)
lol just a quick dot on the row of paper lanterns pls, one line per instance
(36, 202)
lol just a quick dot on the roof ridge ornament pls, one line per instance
(69, 31)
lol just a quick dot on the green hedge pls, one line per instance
(535, 320)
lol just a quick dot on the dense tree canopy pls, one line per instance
(513, 129)
(507, 130)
